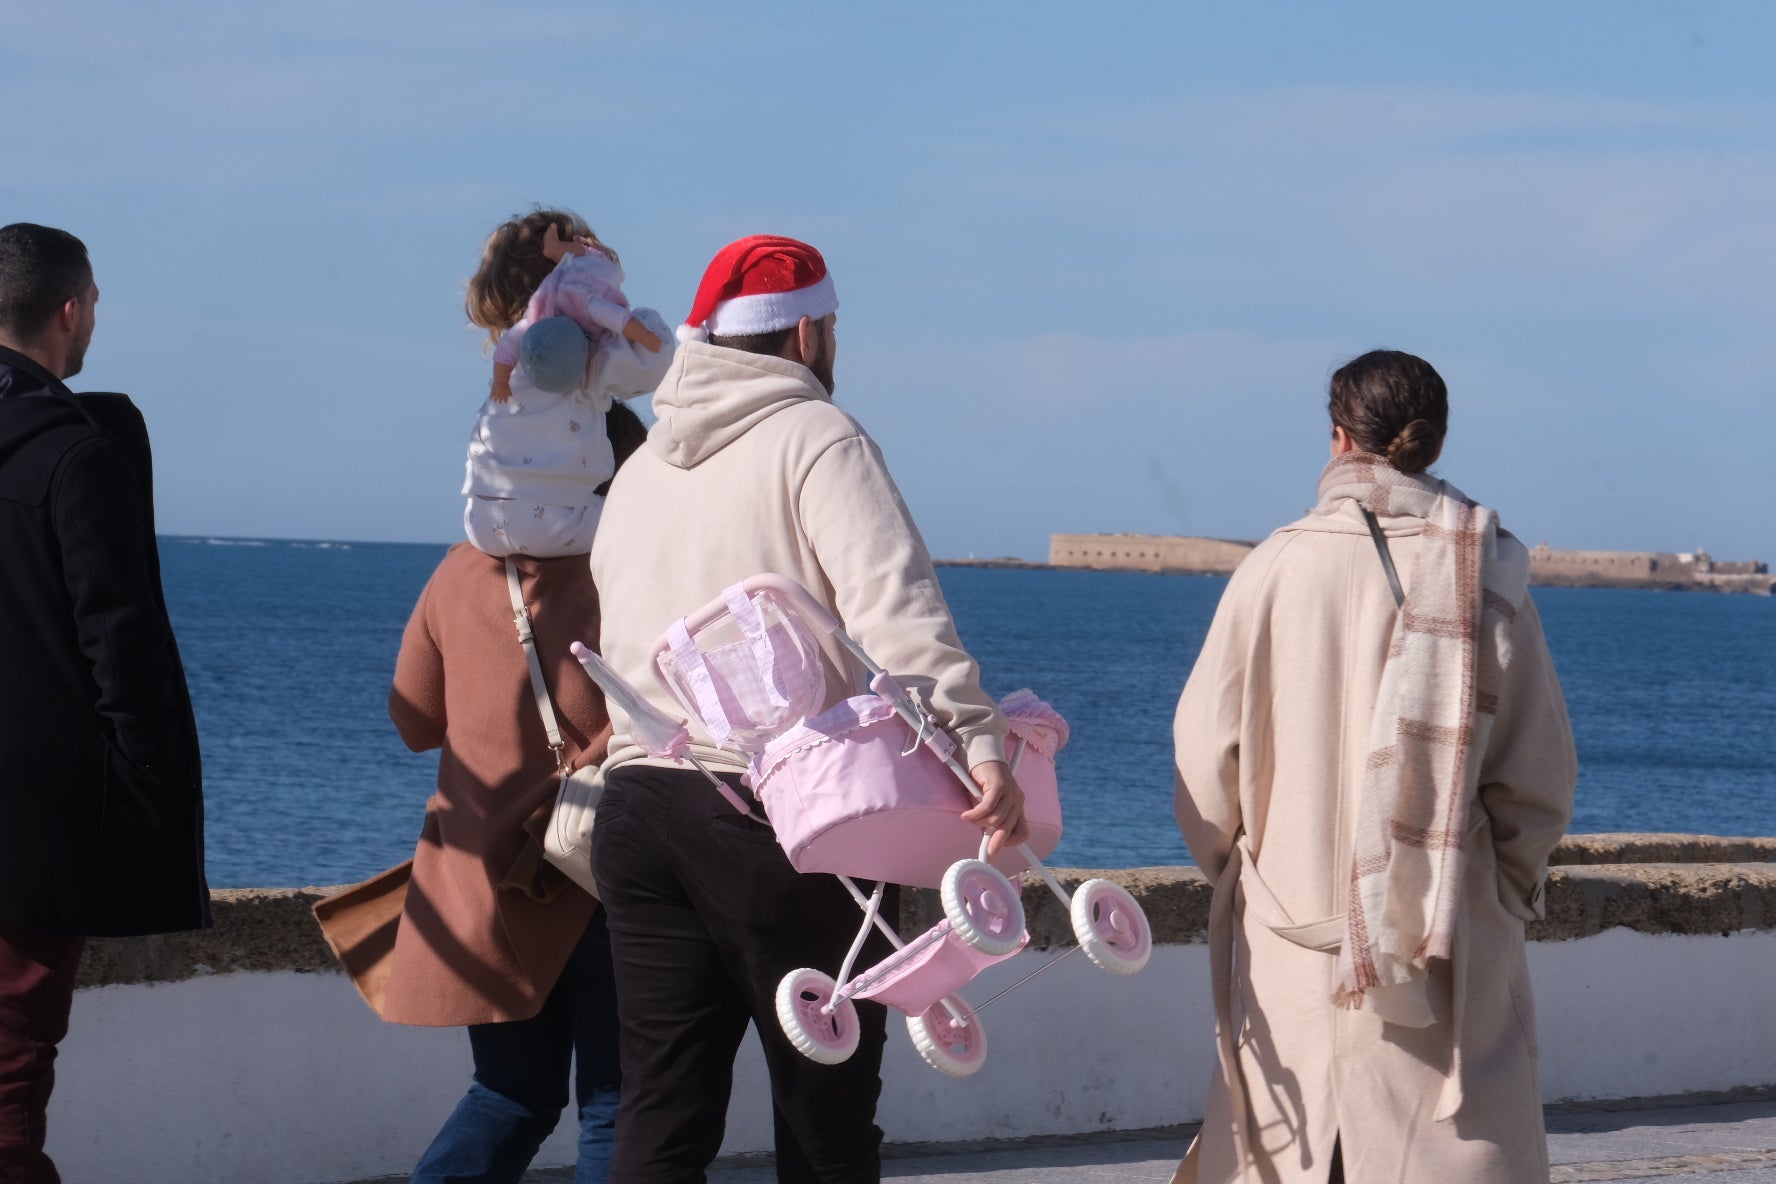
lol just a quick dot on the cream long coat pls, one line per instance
(1272, 735)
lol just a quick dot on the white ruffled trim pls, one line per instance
(769, 311)
(836, 722)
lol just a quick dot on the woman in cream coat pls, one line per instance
(1305, 782)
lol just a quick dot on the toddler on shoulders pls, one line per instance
(566, 344)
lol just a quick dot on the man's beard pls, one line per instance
(76, 357)
(821, 365)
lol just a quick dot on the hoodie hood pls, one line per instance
(34, 405)
(713, 395)
(21, 375)
(24, 413)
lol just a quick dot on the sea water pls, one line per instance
(289, 648)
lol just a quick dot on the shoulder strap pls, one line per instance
(693, 668)
(538, 687)
(752, 624)
(1387, 558)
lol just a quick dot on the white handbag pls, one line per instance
(567, 841)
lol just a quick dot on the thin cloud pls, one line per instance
(1449, 201)
(1333, 120)
(249, 96)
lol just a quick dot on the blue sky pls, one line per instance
(1096, 263)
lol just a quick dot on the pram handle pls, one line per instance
(816, 615)
(812, 611)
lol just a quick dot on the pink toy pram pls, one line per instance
(871, 788)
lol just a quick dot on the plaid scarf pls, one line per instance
(1433, 715)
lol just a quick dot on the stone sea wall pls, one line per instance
(241, 1053)
(1649, 883)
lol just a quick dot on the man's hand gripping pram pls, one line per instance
(1000, 810)
(999, 801)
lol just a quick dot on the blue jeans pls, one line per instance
(520, 1085)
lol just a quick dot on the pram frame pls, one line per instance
(959, 933)
(879, 681)
(926, 732)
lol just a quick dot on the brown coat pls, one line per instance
(486, 925)
(1272, 736)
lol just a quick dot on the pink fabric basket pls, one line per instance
(846, 796)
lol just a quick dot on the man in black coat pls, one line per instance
(101, 805)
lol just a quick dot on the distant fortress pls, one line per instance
(1647, 569)
(1547, 566)
(1147, 552)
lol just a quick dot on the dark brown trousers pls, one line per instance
(36, 991)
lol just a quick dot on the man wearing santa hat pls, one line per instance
(750, 469)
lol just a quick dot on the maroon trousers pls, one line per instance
(36, 990)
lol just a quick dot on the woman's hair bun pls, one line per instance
(1394, 405)
(1415, 447)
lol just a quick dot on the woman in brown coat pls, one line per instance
(492, 936)
(1374, 789)
(488, 934)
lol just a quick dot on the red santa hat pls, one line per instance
(759, 284)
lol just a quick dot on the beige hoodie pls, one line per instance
(752, 469)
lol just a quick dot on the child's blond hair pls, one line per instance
(513, 265)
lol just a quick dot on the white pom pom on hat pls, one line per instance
(759, 284)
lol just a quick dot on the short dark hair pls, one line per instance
(41, 269)
(771, 343)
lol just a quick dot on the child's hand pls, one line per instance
(555, 247)
(502, 390)
(634, 330)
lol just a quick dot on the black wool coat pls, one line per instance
(101, 788)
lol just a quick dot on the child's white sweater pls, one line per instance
(551, 449)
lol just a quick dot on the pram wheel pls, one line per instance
(1110, 927)
(801, 1000)
(982, 906)
(947, 1046)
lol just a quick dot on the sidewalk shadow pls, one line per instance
(1739, 1105)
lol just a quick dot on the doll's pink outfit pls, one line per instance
(586, 288)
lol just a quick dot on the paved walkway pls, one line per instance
(1718, 1142)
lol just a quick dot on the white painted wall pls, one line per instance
(1627, 1015)
(289, 1079)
